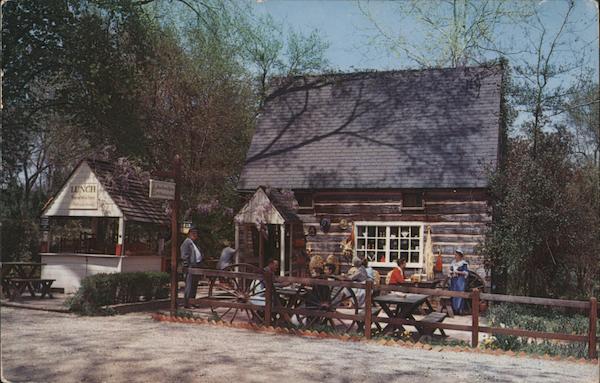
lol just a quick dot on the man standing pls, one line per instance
(192, 257)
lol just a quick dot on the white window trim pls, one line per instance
(387, 241)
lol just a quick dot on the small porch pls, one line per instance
(266, 228)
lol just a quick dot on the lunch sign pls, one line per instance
(162, 189)
(84, 196)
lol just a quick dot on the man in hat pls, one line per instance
(191, 255)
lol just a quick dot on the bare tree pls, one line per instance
(453, 32)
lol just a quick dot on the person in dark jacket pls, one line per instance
(191, 256)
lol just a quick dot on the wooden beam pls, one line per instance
(535, 301)
(475, 318)
(593, 354)
(282, 250)
(237, 243)
(120, 250)
(291, 247)
(261, 249)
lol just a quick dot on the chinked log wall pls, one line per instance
(457, 219)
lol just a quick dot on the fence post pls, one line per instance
(368, 308)
(475, 318)
(268, 280)
(592, 328)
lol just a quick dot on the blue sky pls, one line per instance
(350, 32)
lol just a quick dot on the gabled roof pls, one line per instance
(435, 128)
(131, 194)
(269, 206)
(128, 192)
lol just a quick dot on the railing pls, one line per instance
(368, 319)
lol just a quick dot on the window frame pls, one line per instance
(388, 225)
(420, 195)
(307, 195)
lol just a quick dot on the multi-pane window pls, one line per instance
(383, 244)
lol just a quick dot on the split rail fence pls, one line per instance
(369, 319)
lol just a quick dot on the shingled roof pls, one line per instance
(435, 128)
(130, 194)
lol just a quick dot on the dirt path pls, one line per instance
(54, 347)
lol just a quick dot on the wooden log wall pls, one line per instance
(458, 219)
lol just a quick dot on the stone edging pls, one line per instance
(353, 338)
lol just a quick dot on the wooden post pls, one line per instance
(268, 296)
(282, 250)
(368, 308)
(237, 243)
(120, 248)
(592, 328)
(291, 248)
(174, 232)
(475, 318)
(261, 249)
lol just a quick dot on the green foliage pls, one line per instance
(541, 242)
(101, 290)
(142, 80)
(537, 319)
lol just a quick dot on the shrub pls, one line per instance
(537, 319)
(101, 290)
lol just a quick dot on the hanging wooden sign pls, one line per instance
(162, 189)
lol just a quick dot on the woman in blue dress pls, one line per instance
(459, 270)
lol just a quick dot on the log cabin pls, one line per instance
(378, 159)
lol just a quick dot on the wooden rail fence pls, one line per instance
(369, 319)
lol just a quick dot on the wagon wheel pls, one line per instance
(328, 299)
(238, 290)
(474, 281)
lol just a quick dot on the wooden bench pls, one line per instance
(361, 324)
(446, 303)
(433, 317)
(15, 287)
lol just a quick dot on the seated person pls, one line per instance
(358, 273)
(368, 269)
(329, 270)
(396, 276)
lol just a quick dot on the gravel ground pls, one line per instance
(40, 346)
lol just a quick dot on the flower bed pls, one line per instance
(537, 319)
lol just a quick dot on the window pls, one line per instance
(305, 201)
(412, 200)
(89, 235)
(383, 243)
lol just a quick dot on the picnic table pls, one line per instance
(422, 284)
(24, 270)
(401, 306)
(20, 276)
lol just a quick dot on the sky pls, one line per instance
(349, 32)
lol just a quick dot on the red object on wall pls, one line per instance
(438, 263)
(43, 247)
(119, 249)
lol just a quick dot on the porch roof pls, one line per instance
(269, 206)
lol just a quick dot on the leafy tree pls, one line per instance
(139, 79)
(543, 240)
